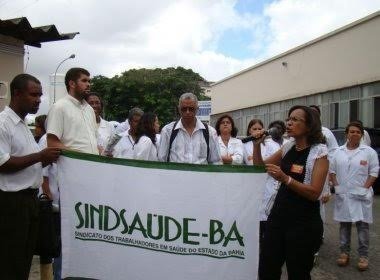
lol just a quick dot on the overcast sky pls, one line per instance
(214, 38)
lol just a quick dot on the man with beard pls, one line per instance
(21, 163)
(71, 124)
(71, 120)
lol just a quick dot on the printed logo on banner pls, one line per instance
(155, 232)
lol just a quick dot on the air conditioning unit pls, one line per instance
(4, 90)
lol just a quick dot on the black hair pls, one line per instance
(316, 108)
(20, 82)
(234, 130)
(40, 121)
(74, 74)
(313, 122)
(146, 127)
(97, 95)
(357, 124)
(278, 123)
(252, 122)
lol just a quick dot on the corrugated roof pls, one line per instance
(21, 29)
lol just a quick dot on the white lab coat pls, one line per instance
(332, 146)
(105, 131)
(271, 184)
(234, 148)
(353, 202)
(145, 149)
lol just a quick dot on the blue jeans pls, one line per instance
(363, 238)
(57, 267)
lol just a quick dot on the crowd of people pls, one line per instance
(302, 159)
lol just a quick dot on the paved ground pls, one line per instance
(326, 268)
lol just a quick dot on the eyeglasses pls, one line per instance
(190, 109)
(294, 119)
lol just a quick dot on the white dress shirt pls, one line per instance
(188, 148)
(267, 150)
(124, 148)
(234, 148)
(366, 140)
(331, 142)
(353, 202)
(50, 171)
(271, 184)
(74, 124)
(16, 140)
(145, 150)
(105, 131)
(122, 127)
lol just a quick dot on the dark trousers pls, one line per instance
(57, 228)
(262, 232)
(293, 243)
(18, 233)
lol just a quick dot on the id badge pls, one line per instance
(298, 169)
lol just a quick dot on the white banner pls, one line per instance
(124, 219)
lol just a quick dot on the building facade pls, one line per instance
(340, 72)
(14, 35)
(11, 64)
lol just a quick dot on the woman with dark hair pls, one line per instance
(145, 147)
(231, 148)
(254, 126)
(39, 127)
(294, 227)
(268, 147)
(354, 168)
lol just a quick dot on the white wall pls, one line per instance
(11, 63)
(349, 57)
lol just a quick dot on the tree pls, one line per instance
(155, 90)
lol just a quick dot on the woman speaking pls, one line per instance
(294, 227)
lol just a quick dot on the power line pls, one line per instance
(26, 6)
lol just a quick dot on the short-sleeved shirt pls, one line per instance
(290, 206)
(124, 148)
(16, 140)
(51, 172)
(74, 123)
(105, 131)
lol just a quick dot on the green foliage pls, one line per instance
(155, 90)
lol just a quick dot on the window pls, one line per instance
(334, 113)
(354, 110)
(376, 105)
(3, 90)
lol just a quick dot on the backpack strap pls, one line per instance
(173, 135)
(206, 135)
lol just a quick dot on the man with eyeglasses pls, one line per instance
(188, 140)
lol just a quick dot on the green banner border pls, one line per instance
(166, 165)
